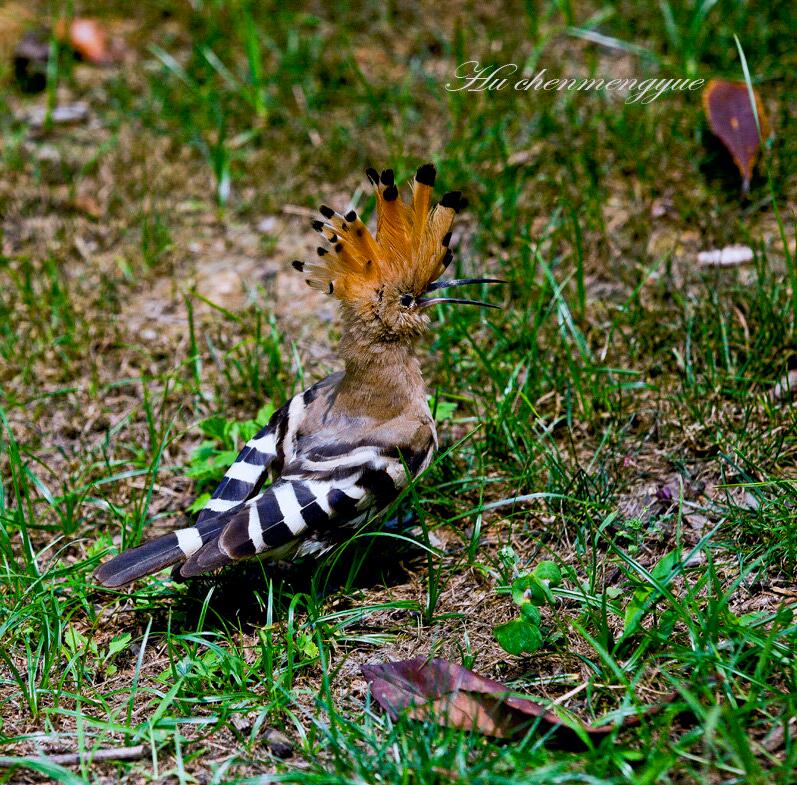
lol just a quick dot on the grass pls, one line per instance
(616, 417)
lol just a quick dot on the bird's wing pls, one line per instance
(328, 477)
(333, 486)
(249, 470)
(267, 449)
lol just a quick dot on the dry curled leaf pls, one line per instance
(731, 117)
(444, 692)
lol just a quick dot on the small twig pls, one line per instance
(562, 698)
(74, 758)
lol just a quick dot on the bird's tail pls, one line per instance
(159, 553)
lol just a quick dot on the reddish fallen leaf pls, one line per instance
(730, 115)
(88, 37)
(444, 692)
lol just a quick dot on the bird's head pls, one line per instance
(386, 282)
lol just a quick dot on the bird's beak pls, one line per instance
(446, 283)
(428, 302)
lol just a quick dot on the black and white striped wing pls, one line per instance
(270, 448)
(249, 471)
(314, 495)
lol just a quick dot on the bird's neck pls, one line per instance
(382, 378)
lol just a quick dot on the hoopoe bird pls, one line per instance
(342, 450)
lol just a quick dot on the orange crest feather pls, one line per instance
(410, 248)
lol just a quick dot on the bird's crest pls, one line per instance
(410, 248)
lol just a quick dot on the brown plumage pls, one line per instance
(342, 450)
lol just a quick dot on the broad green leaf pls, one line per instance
(518, 637)
(522, 597)
(247, 430)
(215, 426)
(199, 503)
(530, 613)
(548, 571)
(264, 413)
(529, 588)
(306, 645)
(118, 644)
(445, 410)
(77, 642)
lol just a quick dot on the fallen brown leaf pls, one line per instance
(444, 692)
(730, 115)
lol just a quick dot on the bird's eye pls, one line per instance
(407, 300)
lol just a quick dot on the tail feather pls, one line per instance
(155, 555)
(208, 557)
